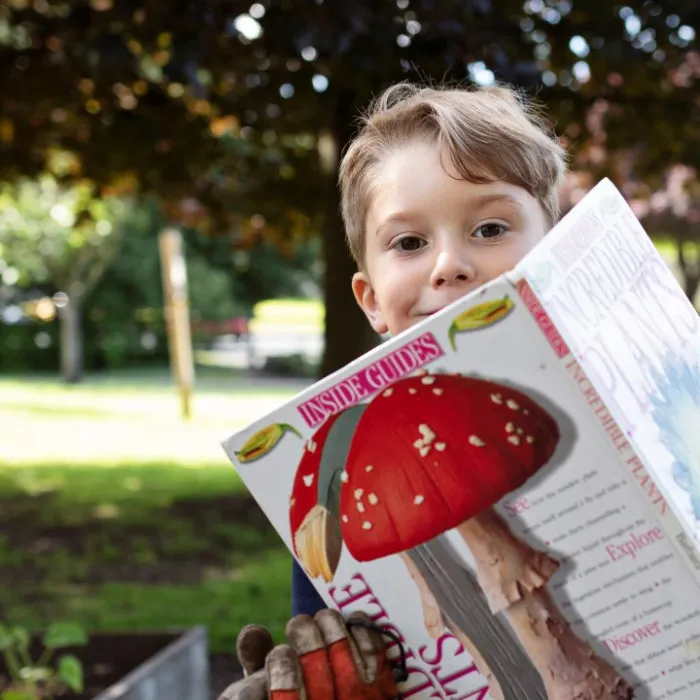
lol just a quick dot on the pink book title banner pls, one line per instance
(370, 379)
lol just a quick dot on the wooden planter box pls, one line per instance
(144, 666)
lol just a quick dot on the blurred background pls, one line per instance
(219, 123)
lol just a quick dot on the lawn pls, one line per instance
(117, 514)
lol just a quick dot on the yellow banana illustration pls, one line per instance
(263, 441)
(480, 316)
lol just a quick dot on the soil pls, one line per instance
(109, 657)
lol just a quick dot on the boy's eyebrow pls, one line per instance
(503, 198)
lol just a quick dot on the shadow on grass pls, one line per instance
(138, 547)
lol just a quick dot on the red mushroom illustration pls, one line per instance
(437, 452)
(315, 528)
(449, 446)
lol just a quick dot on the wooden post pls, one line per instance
(177, 318)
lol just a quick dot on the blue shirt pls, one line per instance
(305, 598)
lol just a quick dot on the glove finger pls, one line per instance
(367, 644)
(373, 651)
(253, 645)
(344, 658)
(284, 674)
(253, 687)
(307, 641)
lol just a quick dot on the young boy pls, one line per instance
(442, 191)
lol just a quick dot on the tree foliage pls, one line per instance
(64, 238)
(246, 107)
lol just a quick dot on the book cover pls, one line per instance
(463, 486)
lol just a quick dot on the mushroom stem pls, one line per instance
(507, 568)
(569, 667)
(513, 576)
(493, 647)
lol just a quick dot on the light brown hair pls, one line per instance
(488, 134)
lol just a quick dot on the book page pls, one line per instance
(455, 485)
(628, 323)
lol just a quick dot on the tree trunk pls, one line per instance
(71, 340)
(347, 332)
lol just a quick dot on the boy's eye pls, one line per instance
(409, 244)
(490, 230)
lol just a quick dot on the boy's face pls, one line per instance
(432, 237)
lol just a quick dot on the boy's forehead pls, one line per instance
(416, 180)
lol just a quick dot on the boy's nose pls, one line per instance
(451, 269)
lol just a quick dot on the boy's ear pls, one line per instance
(367, 301)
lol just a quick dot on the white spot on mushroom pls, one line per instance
(311, 445)
(358, 493)
(497, 398)
(426, 432)
(345, 519)
(526, 412)
(512, 404)
(514, 439)
(440, 446)
(520, 431)
(372, 498)
(308, 479)
(427, 379)
(424, 450)
(360, 507)
(438, 391)
(418, 500)
(367, 525)
(388, 392)
(412, 391)
(529, 439)
(344, 477)
(510, 427)
(419, 444)
(476, 441)
(369, 468)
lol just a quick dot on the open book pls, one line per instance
(513, 486)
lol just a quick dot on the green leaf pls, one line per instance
(18, 695)
(6, 638)
(70, 672)
(64, 634)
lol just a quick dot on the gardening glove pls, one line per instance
(327, 658)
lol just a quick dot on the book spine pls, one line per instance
(635, 471)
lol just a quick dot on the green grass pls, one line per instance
(116, 513)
